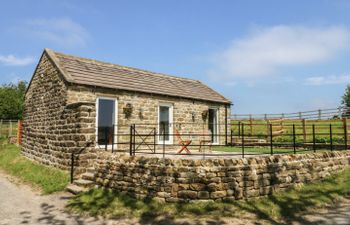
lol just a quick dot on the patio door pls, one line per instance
(213, 125)
(165, 117)
(106, 121)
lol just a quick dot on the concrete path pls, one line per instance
(19, 204)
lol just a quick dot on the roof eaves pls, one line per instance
(223, 97)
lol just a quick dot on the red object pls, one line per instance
(19, 132)
(183, 143)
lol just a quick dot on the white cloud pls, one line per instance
(266, 50)
(11, 60)
(61, 31)
(327, 80)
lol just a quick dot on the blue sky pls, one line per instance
(266, 56)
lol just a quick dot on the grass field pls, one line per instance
(259, 128)
(277, 207)
(48, 179)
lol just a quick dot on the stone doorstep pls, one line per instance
(88, 176)
(75, 189)
(84, 183)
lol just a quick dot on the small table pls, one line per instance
(203, 143)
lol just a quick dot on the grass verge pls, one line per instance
(278, 207)
(48, 179)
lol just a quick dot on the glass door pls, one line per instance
(106, 120)
(165, 120)
(213, 124)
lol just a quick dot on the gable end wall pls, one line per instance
(51, 128)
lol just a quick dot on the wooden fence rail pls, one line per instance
(11, 129)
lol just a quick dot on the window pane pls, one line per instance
(106, 116)
(164, 119)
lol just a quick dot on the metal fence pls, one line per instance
(196, 140)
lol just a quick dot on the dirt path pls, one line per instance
(19, 204)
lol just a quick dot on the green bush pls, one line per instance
(327, 140)
(288, 140)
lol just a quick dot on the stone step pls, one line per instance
(88, 176)
(91, 170)
(74, 189)
(84, 183)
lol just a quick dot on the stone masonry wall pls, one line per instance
(169, 180)
(148, 103)
(52, 128)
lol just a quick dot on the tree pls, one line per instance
(346, 101)
(11, 100)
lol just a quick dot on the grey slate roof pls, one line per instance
(95, 73)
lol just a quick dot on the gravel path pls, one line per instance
(19, 204)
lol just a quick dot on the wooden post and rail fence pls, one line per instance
(11, 130)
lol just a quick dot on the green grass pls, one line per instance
(259, 128)
(282, 206)
(48, 179)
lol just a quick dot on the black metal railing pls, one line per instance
(164, 139)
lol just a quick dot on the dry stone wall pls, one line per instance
(170, 180)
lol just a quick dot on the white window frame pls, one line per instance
(115, 122)
(171, 130)
(217, 125)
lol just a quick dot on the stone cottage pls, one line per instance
(81, 105)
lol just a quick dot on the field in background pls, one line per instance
(282, 130)
(8, 128)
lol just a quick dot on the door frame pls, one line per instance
(171, 118)
(115, 121)
(217, 124)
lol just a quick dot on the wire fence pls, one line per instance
(214, 140)
(320, 114)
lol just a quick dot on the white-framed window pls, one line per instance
(213, 124)
(106, 121)
(165, 123)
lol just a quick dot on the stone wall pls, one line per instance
(149, 103)
(53, 128)
(170, 180)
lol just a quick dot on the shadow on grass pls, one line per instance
(117, 205)
(279, 208)
(286, 207)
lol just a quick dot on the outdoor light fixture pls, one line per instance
(141, 114)
(193, 116)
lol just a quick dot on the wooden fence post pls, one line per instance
(267, 130)
(319, 114)
(345, 125)
(19, 132)
(0, 127)
(251, 124)
(10, 129)
(303, 121)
